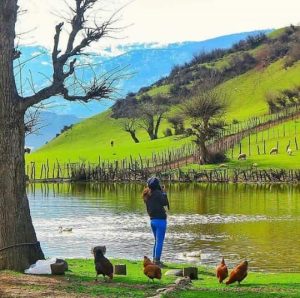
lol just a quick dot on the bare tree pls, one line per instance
(130, 125)
(177, 122)
(18, 242)
(205, 111)
(151, 113)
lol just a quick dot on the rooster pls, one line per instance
(151, 270)
(102, 265)
(238, 274)
(221, 271)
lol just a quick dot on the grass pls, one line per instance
(247, 92)
(79, 281)
(283, 134)
(91, 138)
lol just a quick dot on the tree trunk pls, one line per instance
(204, 154)
(156, 127)
(18, 243)
(132, 133)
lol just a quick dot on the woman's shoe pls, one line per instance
(160, 264)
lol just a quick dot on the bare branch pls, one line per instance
(98, 88)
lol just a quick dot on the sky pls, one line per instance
(161, 21)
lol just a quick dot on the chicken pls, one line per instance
(102, 265)
(238, 274)
(222, 271)
(151, 270)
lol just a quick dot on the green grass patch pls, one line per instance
(80, 281)
(282, 135)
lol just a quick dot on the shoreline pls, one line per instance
(79, 282)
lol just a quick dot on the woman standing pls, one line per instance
(156, 200)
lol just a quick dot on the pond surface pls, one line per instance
(257, 222)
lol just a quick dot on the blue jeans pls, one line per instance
(159, 227)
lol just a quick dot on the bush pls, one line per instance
(235, 121)
(188, 132)
(217, 157)
(168, 132)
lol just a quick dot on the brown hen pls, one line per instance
(222, 271)
(151, 270)
(238, 274)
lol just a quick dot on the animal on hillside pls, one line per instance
(238, 274)
(27, 150)
(112, 143)
(242, 156)
(151, 270)
(274, 150)
(102, 264)
(289, 151)
(221, 271)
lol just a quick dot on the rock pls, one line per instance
(59, 267)
(183, 281)
(175, 272)
(161, 290)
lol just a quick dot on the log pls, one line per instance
(120, 269)
(191, 272)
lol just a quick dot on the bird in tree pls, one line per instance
(19, 246)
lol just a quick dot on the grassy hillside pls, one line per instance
(246, 92)
(91, 138)
(282, 135)
(261, 144)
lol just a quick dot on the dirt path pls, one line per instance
(20, 285)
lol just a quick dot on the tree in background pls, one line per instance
(205, 111)
(130, 125)
(19, 247)
(177, 123)
(151, 113)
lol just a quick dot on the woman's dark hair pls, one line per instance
(153, 183)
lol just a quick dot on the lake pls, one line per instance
(260, 223)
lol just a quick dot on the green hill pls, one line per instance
(91, 139)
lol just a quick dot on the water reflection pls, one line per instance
(257, 222)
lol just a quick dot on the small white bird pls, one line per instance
(61, 229)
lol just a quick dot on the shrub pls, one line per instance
(217, 157)
(188, 132)
(168, 132)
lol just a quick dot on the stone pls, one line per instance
(175, 272)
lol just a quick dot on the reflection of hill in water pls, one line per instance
(252, 199)
(257, 222)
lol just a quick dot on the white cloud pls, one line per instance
(164, 21)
